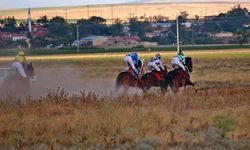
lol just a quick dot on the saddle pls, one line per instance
(181, 72)
(157, 75)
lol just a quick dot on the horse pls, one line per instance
(15, 84)
(128, 79)
(177, 77)
(155, 78)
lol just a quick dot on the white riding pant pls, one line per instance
(152, 66)
(18, 67)
(129, 60)
(175, 62)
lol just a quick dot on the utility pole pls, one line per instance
(136, 12)
(66, 13)
(87, 11)
(77, 37)
(192, 33)
(112, 14)
(177, 32)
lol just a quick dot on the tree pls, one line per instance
(233, 19)
(97, 20)
(211, 27)
(21, 27)
(82, 21)
(160, 18)
(138, 27)
(117, 28)
(10, 24)
(183, 16)
(58, 19)
(44, 21)
(237, 11)
(242, 36)
(60, 30)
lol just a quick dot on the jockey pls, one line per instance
(155, 63)
(17, 64)
(132, 61)
(179, 61)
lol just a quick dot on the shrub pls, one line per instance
(224, 124)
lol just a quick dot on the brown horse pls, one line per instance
(177, 78)
(15, 84)
(154, 78)
(127, 79)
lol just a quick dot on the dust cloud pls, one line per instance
(73, 79)
(70, 78)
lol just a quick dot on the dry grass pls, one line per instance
(152, 121)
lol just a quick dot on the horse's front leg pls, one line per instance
(189, 82)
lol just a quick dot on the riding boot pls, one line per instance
(186, 75)
(136, 74)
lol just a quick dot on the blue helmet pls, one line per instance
(134, 53)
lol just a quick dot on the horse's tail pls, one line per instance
(168, 79)
(119, 80)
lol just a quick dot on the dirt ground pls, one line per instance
(99, 76)
(217, 117)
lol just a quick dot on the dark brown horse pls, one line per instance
(127, 79)
(177, 78)
(154, 78)
(15, 84)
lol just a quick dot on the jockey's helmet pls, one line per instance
(180, 52)
(158, 56)
(135, 54)
(21, 53)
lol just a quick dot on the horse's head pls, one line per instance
(189, 63)
(29, 69)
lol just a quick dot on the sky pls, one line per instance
(8, 4)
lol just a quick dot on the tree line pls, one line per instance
(60, 31)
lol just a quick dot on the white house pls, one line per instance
(93, 40)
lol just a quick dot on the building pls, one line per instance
(246, 25)
(162, 25)
(5, 35)
(120, 41)
(187, 24)
(93, 40)
(224, 35)
(13, 36)
(19, 37)
(39, 31)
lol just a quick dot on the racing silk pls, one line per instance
(17, 68)
(157, 61)
(181, 59)
(134, 58)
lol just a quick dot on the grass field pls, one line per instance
(94, 50)
(217, 117)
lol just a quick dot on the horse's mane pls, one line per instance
(188, 59)
(189, 63)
